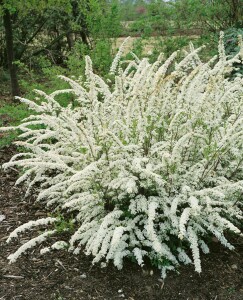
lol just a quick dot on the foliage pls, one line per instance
(103, 18)
(150, 165)
(157, 19)
(101, 56)
(151, 47)
(168, 45)
(50, 29)
(208, 15)
(232, 41)
(171, 16)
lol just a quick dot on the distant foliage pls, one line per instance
(149, 165)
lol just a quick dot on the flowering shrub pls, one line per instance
(149, 167)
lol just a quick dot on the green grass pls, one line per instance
(11, 115)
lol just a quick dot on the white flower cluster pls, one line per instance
(30, 225)
(150, 166)
(30, 244)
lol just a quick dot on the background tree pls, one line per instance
(51, 28)
(209, 15)
(9, 53)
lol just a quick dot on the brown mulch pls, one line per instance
(60, 275)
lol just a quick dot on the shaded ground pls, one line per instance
(60, 276)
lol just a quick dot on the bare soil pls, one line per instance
(60, 275)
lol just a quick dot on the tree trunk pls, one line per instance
(84, 38)
(70, 40)
(10, 53)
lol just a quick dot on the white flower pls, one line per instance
(2, 217)
(45, 250)
(59, 245)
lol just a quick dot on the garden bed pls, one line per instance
(60, 275)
